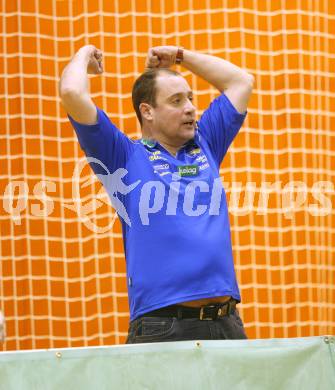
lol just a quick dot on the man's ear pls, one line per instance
(146, 111)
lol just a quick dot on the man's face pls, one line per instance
(174, 114)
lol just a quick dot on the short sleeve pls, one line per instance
(219, 125)
(104, 144)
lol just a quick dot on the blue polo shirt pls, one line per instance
(173, 209)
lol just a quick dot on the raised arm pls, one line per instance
(236, 83)
(74, 88)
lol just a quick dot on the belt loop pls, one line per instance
(229, 308)
(180, 313)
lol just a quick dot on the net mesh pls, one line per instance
(62, 264)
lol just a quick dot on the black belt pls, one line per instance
(208, 312)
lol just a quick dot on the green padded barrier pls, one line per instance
(297, 364)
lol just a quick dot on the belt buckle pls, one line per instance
(202, 313)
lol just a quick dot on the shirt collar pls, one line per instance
(150, 143)
(194, 142)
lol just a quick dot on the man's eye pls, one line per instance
(190, 98)
(176, 101)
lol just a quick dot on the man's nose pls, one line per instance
(189, 107)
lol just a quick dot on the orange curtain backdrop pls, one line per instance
(62, 263)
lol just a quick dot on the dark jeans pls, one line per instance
(163, 329)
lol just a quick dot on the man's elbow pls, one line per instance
(248, 81)
(78, 105)
(243, 81)
(71, 98)
(67, 93)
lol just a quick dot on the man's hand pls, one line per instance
(94, 58)
(161, 57)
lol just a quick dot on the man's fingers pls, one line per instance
(152, 62)
(98, 54)
(153, 59)
(151, 52)
(95, 64)
(161, 57)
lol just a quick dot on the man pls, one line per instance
(167, 190)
